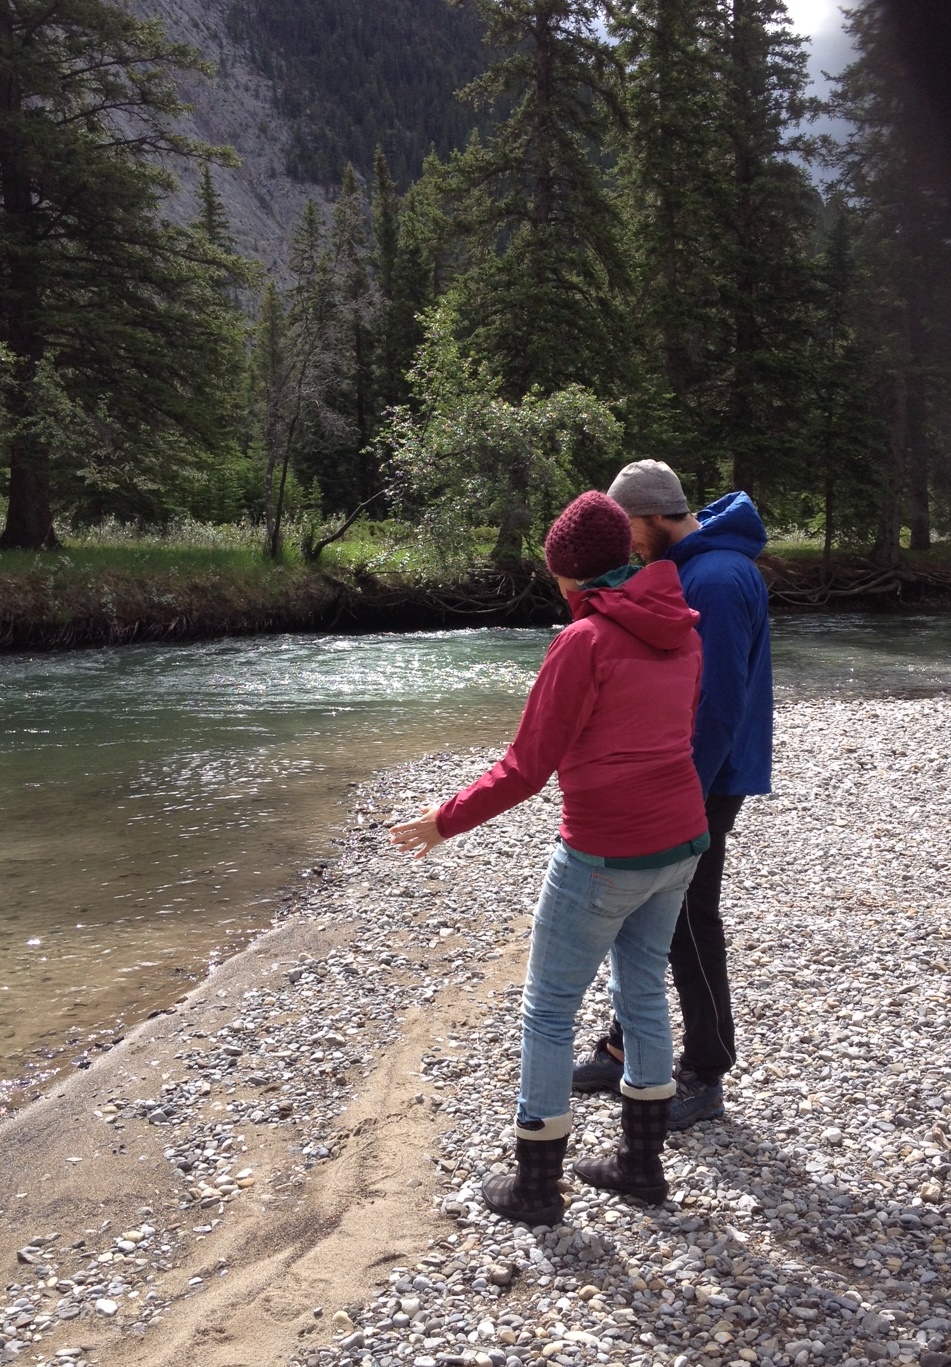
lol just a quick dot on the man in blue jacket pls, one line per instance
(714, 551)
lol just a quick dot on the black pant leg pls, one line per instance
(698, 955)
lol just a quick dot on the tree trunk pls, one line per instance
(887, 548)
(516, 520)
(829, 509)
(29, 525)
(918, 459)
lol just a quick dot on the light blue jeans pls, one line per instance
(583, 913)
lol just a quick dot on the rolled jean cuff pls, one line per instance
(554, 1127)
(661, 1093)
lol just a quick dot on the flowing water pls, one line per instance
(157, 802)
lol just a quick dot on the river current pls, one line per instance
(157, 803)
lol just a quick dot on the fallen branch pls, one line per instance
(312, 550)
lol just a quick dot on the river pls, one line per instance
(159, 804)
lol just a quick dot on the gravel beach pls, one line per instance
(285, 1167)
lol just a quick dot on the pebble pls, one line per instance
(813, 1219)
(812, 1223)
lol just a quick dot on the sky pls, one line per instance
(821, 20)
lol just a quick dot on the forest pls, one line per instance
(641, 249)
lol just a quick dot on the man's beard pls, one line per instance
(657, 541)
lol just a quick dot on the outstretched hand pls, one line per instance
(417, 837)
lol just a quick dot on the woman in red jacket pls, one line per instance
(612, 713)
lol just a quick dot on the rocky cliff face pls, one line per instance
(354, 74)
(236, 108)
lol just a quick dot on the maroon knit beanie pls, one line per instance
(592, 536)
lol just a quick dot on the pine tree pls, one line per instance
(719, 224)
(279, 411)
(427, 260)
(99, 298)
(539, 273)
(672, 176)
(847, 426)
(889, 171)
(540, 298)
(316, 349)
(389, 385)
(357, 303)
(212, 219)
(771, 212)
(300, 361)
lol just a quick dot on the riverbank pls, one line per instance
(49, 603)
(285, 1167)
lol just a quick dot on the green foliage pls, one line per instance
(313, 406)
(125, 353)
(542, 278)
(897, 188)
(627, 258)
(846, 427)
(452, 456)
(720, 219)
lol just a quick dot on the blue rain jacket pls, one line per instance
(733, 739)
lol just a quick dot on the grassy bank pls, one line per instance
(202, 583)
(87, 593)
(205, 582)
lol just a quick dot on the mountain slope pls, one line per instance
(350, 76)
(304, 86)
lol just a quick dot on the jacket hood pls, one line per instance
(649, 604)
(730, 524)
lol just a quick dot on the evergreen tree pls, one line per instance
(673, 176)
(847, 425)
(280, 396)
(212, 219)
(771, 211)
(357, 302)
(427, 260)
(389, 383)
(720, 218)
(889, 172)
(103, 302)
(315, 363)
(333, 320)
(300, 364)
(540, 299)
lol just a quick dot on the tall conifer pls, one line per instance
(672, 176)
(889, 172)
(100, 299)
(720, 216)
(357, 301)
(389, 386)
(539, 300)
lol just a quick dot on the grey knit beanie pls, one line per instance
(646, 487)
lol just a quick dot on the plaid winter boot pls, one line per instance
(635, 1168)
(532, 1195)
